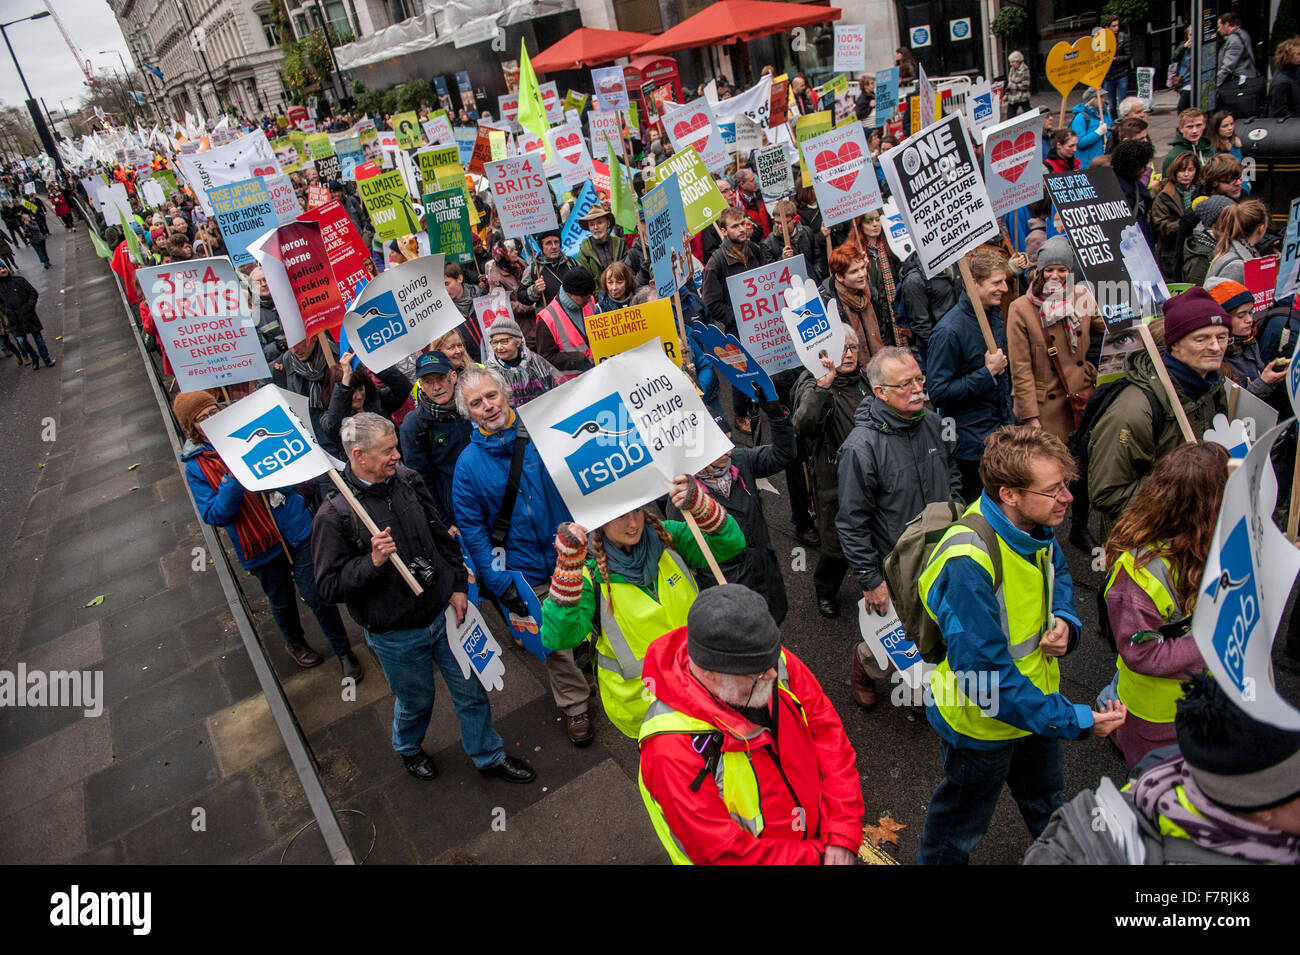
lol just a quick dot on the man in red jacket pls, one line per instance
(743, 758)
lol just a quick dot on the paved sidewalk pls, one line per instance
(185, 726)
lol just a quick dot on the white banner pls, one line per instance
(693, 125)
(151, 191)
(245, 158)
(399, 312)
(850, 48)
(264, 442)
(208, 336)
(521, 195)
(489, 308)
(940, 193)
(814, 326)
(755, 102)
(843, 174)
(1236, 617)
(1013, 162)
(604, 129)
(614, 438)
(569, 154)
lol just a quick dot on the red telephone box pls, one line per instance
(653, 68)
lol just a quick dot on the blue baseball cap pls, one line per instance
(432, 363)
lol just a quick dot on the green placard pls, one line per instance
(806, 127)
(407, 127)
(700, 196)
(386, 201)
(319, 146)
(446, 216)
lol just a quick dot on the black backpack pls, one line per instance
(1102, 397)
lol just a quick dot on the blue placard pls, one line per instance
(886, 94)
(573, 233)
(471, 590)
(527, 631)
(465, 138)
(729, 357)
(244, 213)
(666, 236)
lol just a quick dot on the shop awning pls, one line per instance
(409, 36)
(735, 21)
(588, 47)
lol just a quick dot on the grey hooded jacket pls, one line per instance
(890, 468)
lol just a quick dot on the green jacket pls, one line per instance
(1122, 449)
(587, 256)
(1180, 145)
(565, 627)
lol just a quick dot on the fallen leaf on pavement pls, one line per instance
(884, 831)
(95, 601)
(134, 466)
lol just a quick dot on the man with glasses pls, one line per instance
(1139, 426)
(999, 588)
(893, 463)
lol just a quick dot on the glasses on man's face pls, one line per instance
(909, 384)
(1054, 493)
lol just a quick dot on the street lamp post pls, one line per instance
(42, 130)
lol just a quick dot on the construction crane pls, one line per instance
(82, 61)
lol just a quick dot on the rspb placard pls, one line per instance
(400, 312)
(615, 437)
(940, 193)
(208, 336)
(264, 443)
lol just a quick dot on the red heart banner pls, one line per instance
(688, 126)
(841, 168)
(1006, 150)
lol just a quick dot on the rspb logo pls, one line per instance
(612, 447)
(1235, 595)
(273, 440)
(381, 323)
(982, 107)
(477, 649)
(812, 322)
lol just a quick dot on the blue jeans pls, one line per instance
(962, 806)
(407, 657)
(41, 254)
(1116, 89)
(25, 343)
(277, 579)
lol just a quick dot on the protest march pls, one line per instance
(745, 417)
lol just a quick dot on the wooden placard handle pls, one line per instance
(373, 528)
(1163, 374)
(969, 281)
(704, 547)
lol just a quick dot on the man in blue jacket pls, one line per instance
(478, 495)
(999, 588)
(1090, 126)
(966, 382)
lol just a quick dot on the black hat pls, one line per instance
(578, 282)
(729, 630)
(1241, 763)
(548, 234)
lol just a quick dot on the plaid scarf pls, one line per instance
(878, 251)
(255, 528)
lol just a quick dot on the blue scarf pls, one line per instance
(640, 567)
(1188, 378)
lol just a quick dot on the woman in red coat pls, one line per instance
(61, 208)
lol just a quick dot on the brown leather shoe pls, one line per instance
(580, 729)
(303, 655)
(352, 667)
(864, 688)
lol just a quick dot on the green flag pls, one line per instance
(101, 249)
(621, 203)
(132, 240)
(532, 111)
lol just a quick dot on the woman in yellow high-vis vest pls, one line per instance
(1156, 554)
(634, 585)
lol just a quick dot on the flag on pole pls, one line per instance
(132, 241)
(532, 111)
(621, 203)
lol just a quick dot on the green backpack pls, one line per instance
(907, 561)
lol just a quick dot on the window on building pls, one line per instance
(269, 29)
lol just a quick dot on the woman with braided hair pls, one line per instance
(628, 586)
